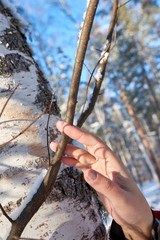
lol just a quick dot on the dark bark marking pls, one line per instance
(99, 233)
(13, 40)
(13, 63)
(71, 184)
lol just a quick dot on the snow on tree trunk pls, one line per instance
(72, 210)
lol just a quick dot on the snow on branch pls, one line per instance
(103, 62)
(82, 23)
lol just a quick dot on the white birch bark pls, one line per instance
(71, 211)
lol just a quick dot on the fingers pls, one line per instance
(78, 134)
(108, 162)
(70, 161)
(79, 154)
(93, 144)
(73, 163)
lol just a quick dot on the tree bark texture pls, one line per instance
(71, 211)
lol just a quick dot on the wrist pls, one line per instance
(130, 232)
(138, 232)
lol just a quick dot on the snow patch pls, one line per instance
(79, 35)
(98, 75)
(105, 44)
(4, 24)
(4, 51)
(82, 23)
(62, 67)
(84, 15)
(63, 76)
(88, 1)
(34, 189)
(104, 56)
(151, 191)
(14, 12)
(7, 232)
(76, 117)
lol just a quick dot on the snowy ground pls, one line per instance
(151, 191)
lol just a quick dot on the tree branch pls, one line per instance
(67, 12)
(72, 100)
(103, 63)
(49, 113)
(5, 214)
(25, 129)
(9, 99)
(122, 4)
(91, 75)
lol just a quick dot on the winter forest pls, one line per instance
(96, 65)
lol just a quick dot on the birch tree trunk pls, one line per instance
(72, 210)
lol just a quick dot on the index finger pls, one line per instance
(79, 135)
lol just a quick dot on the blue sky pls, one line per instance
(55, 29)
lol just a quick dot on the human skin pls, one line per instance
(109, 177)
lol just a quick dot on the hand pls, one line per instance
(109, 177)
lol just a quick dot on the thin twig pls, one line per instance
(9, 99)
(67, 12)
(116, 20)
(122, 4)
(16, 120)
(99, 50)
(49, 158)
(25, 129)
(113, 24)
(89, 71)
(5, 214)
(89, 81)
(115, 36)
(91, 75)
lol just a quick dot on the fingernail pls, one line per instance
(61, 125)
(52, 146)
(92, 174)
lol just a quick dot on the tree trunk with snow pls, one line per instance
(71, 211)
(141, 134)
